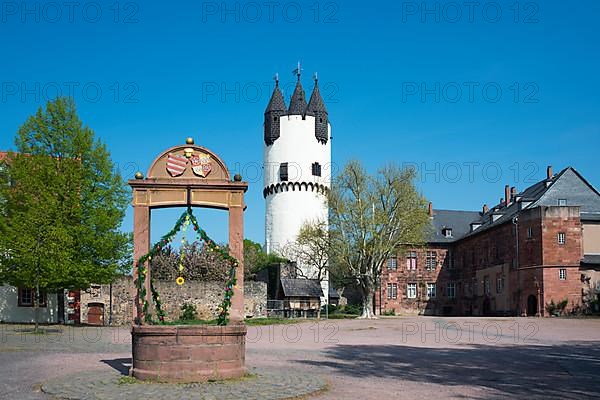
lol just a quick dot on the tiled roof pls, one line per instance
(567, 185)
(458, 221)
(277, 102)
(298, 100)
(316, 103)
(301, 288)
(591, 259)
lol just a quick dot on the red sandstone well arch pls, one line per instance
(158, 353)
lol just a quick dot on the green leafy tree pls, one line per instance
(256, 259)
(63, 205)
(372, 218)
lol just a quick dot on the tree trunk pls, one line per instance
(367, 303)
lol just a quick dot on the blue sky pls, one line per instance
(476, 98)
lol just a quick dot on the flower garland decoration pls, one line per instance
(186, 219)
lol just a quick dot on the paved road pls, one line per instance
(442, 358)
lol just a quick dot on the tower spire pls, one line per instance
(298, 100)
(316, 108)
(275, 109)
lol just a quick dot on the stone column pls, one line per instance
(236, 249)
(141, 246)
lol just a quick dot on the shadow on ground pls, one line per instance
(567, 371)
(122, 365)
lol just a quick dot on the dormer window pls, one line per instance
(562, 202)
(447, 232)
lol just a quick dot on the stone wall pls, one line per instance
(206, 296)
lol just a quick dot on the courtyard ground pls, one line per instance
(399, 358)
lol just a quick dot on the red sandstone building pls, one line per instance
(535, 247)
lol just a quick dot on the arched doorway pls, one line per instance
(532, 307)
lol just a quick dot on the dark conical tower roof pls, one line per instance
(277, 102)
(298, 100)
(316, 103)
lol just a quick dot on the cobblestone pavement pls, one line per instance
(262, 385)
(391, 358)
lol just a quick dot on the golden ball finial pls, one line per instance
(139, 175)
(189, 140)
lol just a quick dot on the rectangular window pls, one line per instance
(562, 238)
(316, 169)
(392, 291)
(411, 290)
(562, 274)
(430, 260)
(431, 292)
(475, 287)
(451, 290)
(499, 285)
(411, 260)
(283, 171)
(562, 202)
(392, 264)
(529, 233)
(26, 297)
(450, 257)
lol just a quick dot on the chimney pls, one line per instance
(486, 209)
(430, 210)
(506, 195)
(549, 172)
(513, 193)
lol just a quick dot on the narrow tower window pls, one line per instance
(283, 171)
(316, 169)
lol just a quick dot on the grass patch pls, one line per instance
(192, 322)
(274, 321)
(126, 380)
(342, 316)
(249, 322)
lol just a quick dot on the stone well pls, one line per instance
(188, 353)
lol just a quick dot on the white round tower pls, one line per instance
(297, 165)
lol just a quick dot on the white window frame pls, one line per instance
(392, 291)
(562, 274)
(430, 260)
(411, 261)
(392, 264)
(431, 291)
(411, 290)
(562, 238)
(562, 202)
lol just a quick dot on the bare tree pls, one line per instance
(371, 219)
(310, 253)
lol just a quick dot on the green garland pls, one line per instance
(184, 219)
